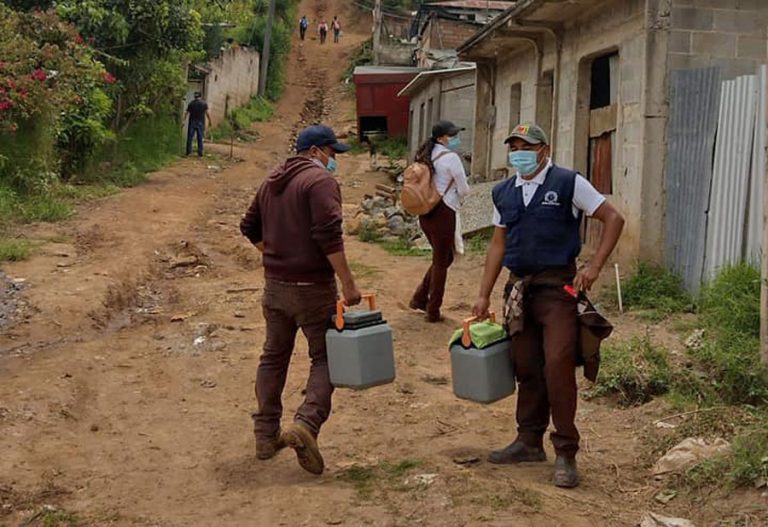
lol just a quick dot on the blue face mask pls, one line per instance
(525, 161)
(454, 142)
(331, 166)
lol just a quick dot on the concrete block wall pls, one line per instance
(614, 26)
(727, 33)
(452, 99)
(232, 81)
(449, 34)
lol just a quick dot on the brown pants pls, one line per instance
(439, 226)
(544, 355)
(288, 308)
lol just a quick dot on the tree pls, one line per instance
(144, 43)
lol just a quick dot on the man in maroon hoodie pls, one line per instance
(295, 220)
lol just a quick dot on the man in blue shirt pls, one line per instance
(537, 218)
(197, 111)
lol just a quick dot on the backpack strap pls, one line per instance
(438, 156)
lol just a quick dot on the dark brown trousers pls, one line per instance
(439, 226)
(288, 308)
(544, 355)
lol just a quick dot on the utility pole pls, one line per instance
(376, 31)
(265, 50)
(764, 256)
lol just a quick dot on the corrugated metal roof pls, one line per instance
(494, 5)
(425, 76)
(730, 178)
(384, 70)
(693, 110)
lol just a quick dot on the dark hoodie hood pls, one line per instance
(293, 166)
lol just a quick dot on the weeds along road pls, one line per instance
(126, 378)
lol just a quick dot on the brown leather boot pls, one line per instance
(517, 452)
(299, 437)
(268, 448)
(566, 475)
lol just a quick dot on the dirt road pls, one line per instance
(127, 375)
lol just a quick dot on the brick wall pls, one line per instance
(726, 33)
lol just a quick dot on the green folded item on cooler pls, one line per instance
(482, 334)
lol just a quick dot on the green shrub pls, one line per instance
(239, 120)
(657, 290)
(147, 145)
(730, 310)
(362, 56)
(731, 302)
(393, 147)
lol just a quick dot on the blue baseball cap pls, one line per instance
(319, 135)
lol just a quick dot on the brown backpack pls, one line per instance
(419, 195)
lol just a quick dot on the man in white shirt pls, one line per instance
(537, 218)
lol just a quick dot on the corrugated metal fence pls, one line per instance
(715, 171)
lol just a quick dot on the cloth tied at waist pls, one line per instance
(593, 327)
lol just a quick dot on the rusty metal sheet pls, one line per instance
(694, 102)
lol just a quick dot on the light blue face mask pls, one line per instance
(331, 166)
(454, 142)
(525, 161)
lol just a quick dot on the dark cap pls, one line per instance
(531, 133)
(198, 95)
(319, 135)
(442, 128)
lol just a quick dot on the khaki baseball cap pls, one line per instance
(531, 133)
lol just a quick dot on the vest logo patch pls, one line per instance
(551, 199)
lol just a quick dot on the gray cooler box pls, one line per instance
(482, 374)
(360, 349)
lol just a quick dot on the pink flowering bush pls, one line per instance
(52, 88)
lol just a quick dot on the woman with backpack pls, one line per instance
(322, 29)
(336, 26)
(439, 224)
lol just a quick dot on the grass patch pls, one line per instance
(402, 247)
(502, 501)
(745, 466)
(55, 518)
(478, 243)
(656, 292)
(635, 372)
(12, 250)
(239, 120)
(730, 310)
(362, 271)
(380, 478)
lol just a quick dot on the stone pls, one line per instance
(397, 225)
(353, 225)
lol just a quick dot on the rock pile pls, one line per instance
(379, 219)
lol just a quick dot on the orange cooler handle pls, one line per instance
(341, 304)
(466, 339)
